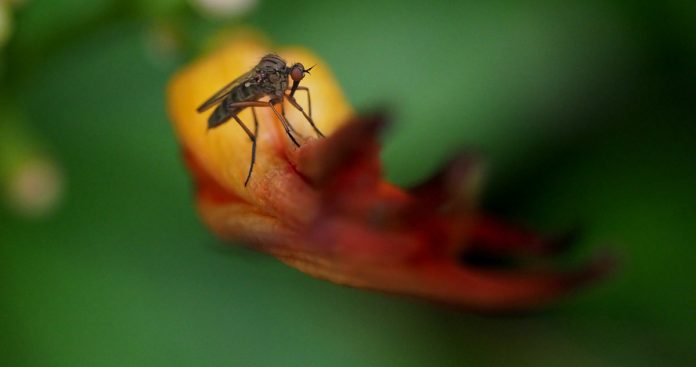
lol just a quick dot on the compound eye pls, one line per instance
(297, 73)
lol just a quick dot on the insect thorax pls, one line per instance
(271, 75)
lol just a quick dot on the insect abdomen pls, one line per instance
(223, 113)
(219, 116)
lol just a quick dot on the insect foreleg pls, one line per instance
(299, 108)
(309, 99)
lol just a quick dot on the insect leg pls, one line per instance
(252, 137)
(282, 111)
(253, 146)
(256, 122)
(299, 108)
(309, 99)
(282, 119)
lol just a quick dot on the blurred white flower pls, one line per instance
(223, 8)
(31, 180)
(35, 188)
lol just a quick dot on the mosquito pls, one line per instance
(270, 78)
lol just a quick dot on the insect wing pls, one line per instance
(222, 93)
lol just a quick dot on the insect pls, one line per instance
(269, 78)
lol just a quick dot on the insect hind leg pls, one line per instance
(252, 137)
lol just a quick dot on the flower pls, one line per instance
(223, 8)
(32, 183)
(325, 209)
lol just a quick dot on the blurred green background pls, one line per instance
(583, 109)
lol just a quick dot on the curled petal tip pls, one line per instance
(354, 144)
(600, 267)
(492, 237)
(455, 186)
(561, 243)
